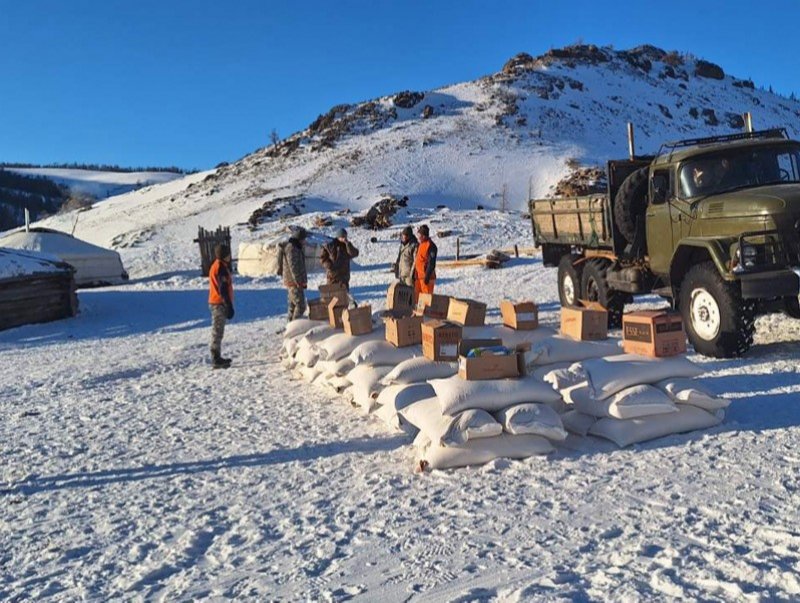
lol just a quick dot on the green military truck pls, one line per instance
(713, 224)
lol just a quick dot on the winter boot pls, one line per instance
(218, 361)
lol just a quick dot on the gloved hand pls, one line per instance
(394, 267)
(229, 310)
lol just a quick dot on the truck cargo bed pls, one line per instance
(582, 221)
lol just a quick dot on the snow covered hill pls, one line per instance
(486, 143)
(98, 183)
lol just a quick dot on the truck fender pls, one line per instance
(693, 250)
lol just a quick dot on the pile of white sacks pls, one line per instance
(587, 388)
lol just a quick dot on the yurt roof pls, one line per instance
(53, 242)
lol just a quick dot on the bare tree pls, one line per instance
(274, 138)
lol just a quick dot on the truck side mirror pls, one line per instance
(660, 187)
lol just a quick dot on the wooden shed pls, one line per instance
(34, 287)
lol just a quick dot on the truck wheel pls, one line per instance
(630, 203)
(718, 321)
(569, 279)
(791, 305)
(594, 287)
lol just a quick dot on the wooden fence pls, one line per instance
(207, 240)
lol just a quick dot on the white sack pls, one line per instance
(398, 396)
(290, 346)
(609, 375)
(483, 450)
(307, 355)
(689, 391)
(629, 403)
(366, 384)
(300, 326)
(577, 422)
(340, 345)
(563, 349)
(335, 368)
(540, 372)
(308, 373)
(426, 415)
(456, 394)
(288, 363)
(536, 419)
(339, 384)
(419, 369)
(319, 333)
(632, 431)
(565, 377)
(382, 353)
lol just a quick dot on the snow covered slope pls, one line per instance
(487, 142)
(97, 183)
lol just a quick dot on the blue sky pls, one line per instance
(193, 83)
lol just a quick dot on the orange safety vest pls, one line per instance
(421, 261)
(219, 276)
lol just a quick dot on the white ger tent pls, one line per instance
(93, 265)
(260, 258)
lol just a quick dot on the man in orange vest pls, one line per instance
(220, 301)
(424, 263)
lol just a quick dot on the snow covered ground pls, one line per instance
(131, 470)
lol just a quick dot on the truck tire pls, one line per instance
(569, 279)
(719, 323)
(791, 305)
(630, 203)
(594, 287)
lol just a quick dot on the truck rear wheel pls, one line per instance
(630, 203)
(791, 305)
(594, 287)
(719, 323)
(569, 279)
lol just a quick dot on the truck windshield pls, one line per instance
(720, 172)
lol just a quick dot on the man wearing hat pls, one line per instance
(336, 256)
(404, 266)
(220, 302)
(292, 267)
(424, 263)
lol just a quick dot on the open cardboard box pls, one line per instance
(587, 321)
(432, 306)
(400, 299)
(490, 366)
(357, 321)
(335, 291)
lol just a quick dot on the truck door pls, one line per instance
(660, 242)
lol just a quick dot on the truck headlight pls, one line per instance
(746, 254)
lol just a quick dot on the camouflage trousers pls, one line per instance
(219, 316)
(297, 302)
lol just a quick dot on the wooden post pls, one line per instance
(631, 147)
(27, 220)
(516, 250)
(458, 248)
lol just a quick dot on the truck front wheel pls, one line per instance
(594, 287)
(569, 279)
(719, 323)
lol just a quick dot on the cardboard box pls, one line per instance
(400, 299)
(491, 366)
(317, 309)
(432, 305)
(466, 312)
(336, 291)
(357, 321)
(655, 333)
(587, 321)
(522, 316)
(440, 340)
(402, 331)
(335, 313)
